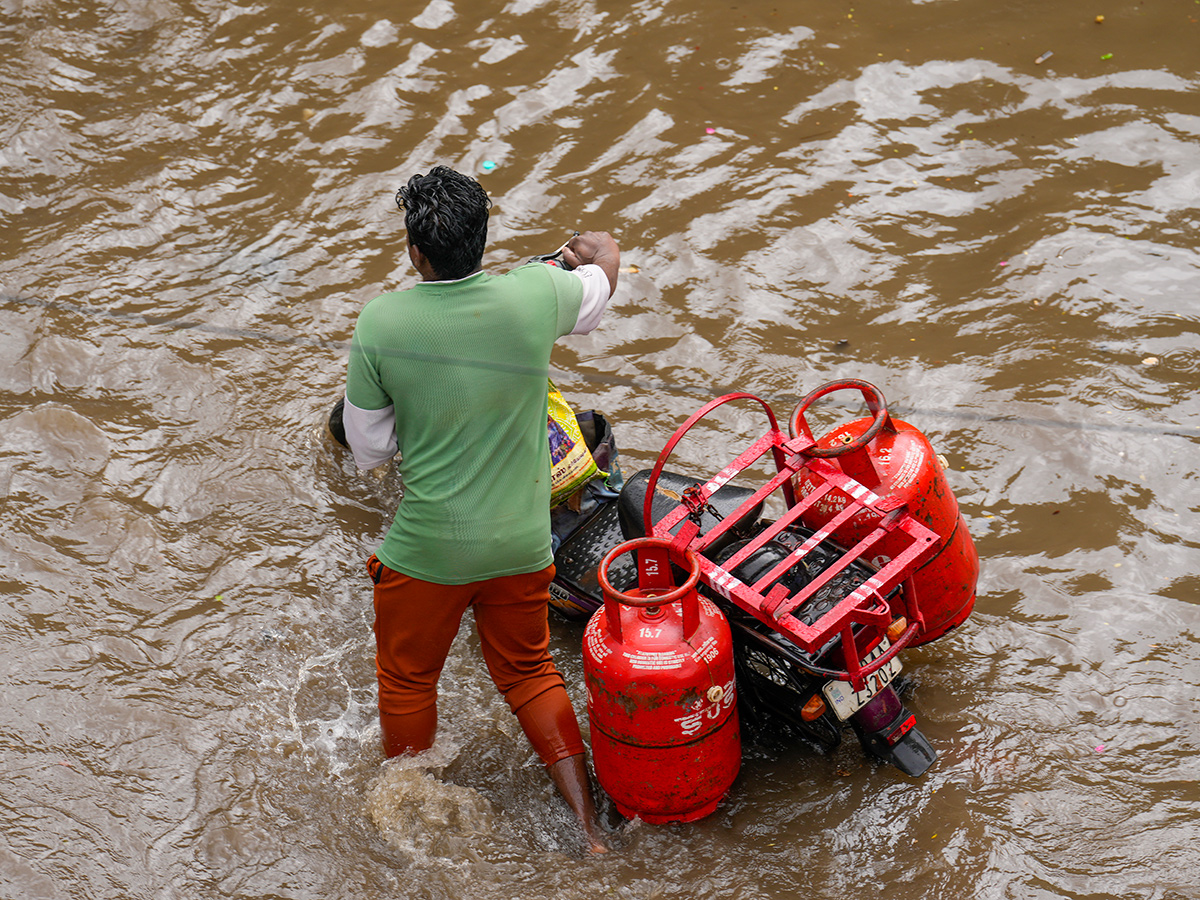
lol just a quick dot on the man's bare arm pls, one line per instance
(595, 248)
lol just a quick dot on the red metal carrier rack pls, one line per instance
(866, 606)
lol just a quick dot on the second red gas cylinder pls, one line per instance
(893, 459)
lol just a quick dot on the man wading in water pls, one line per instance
(451, 374)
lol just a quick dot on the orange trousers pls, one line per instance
(416, 622)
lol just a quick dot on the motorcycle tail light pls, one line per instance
(813, 709)
(897, 628)
(904, 728)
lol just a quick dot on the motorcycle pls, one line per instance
(817, 628)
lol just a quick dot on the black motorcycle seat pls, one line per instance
(668, 494)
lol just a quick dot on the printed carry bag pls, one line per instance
(571, 465)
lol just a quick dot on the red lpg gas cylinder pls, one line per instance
(893, 459)
(662, 705)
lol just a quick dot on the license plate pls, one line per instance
(846, 701)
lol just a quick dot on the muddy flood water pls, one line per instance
(989, 210)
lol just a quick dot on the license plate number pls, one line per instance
(846, 701)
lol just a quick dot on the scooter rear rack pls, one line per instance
(866, 607)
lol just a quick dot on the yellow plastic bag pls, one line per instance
(571, 465)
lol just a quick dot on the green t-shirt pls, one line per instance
(465, 365)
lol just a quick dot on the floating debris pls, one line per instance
(1045, 56)
(488, 165)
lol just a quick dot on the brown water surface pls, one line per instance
(195, 201)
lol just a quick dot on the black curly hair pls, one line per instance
(446, 214)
